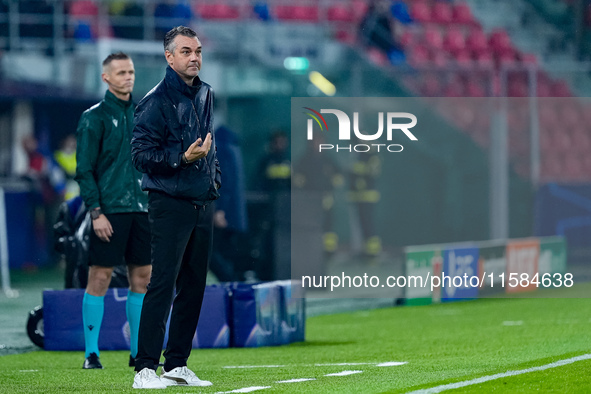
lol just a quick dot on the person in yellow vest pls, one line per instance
(65, 157)
(275, 167)
(364, 195)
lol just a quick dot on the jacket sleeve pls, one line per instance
(88, 142)
(149, 140)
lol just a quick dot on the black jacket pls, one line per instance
(167, 121)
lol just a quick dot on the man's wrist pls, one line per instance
(95, 213)
(184, 160)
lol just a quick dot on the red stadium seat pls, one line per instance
(462, 15)
(475, 88)
(441, 12)
(454, 40)
(377, 56)
(485, 60)
(408, 38)
(359, 9)
(217, 11)
(420, 11)
(433, 38)
(477, 42)
(453, 89)
(340, 13)
(500, 42)
(518, 88)
(439, 58)
(464, 59)
(418, 56)
(297, 13)
(561, 89)
(431, 86)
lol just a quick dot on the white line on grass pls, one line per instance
(344, 373)
(385, 364)
(296, 380)
(483, 379)
(29, 370)
(255, 366)
(513, 323)
(245, 390)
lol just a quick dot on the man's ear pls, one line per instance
(105, 78)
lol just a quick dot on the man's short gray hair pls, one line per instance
(169, 44)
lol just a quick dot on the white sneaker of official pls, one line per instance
(147, 379)
(182, 376)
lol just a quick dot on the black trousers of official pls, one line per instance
(181, 243)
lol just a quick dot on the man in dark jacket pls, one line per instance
(173, 146)
(110, 188)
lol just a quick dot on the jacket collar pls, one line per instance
(175, 81)
(116, 102)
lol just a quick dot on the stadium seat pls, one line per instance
(441, 12)
(463, 58)
(561, 89)
(500, 42)
(485, 60)
(439, 58)
(418, 56)
(407, 39)
(476, 42)
(420, 12)
(217, 11)
(297, 13)
(454, 40)
(518, 88)
(462, 15)
(340, 13)
(433, 38)
(475, 88)
(431, 86)
(453, 89)
(359, 8)
(377, 56)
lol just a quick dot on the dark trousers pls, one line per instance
(181, 243)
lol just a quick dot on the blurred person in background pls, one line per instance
(275, 167)
(317, 172)
(174, 146)
(274, 180)
(377, 28)
(65, 157)
(230, 219)
(110, 188)
(364, 197)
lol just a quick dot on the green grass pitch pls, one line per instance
(440, 344)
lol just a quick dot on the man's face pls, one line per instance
(186, 57)
(120, 76)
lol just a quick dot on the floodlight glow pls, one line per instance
(323, 84)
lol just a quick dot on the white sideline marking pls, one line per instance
(246, 389)
(254, 366)
(29, 370)
(391, 364)
(344, 373)
(296, 380)
(386, 364)
(513, 323)
(483, 379)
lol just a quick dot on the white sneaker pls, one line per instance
(182, 376)
(147, 379)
